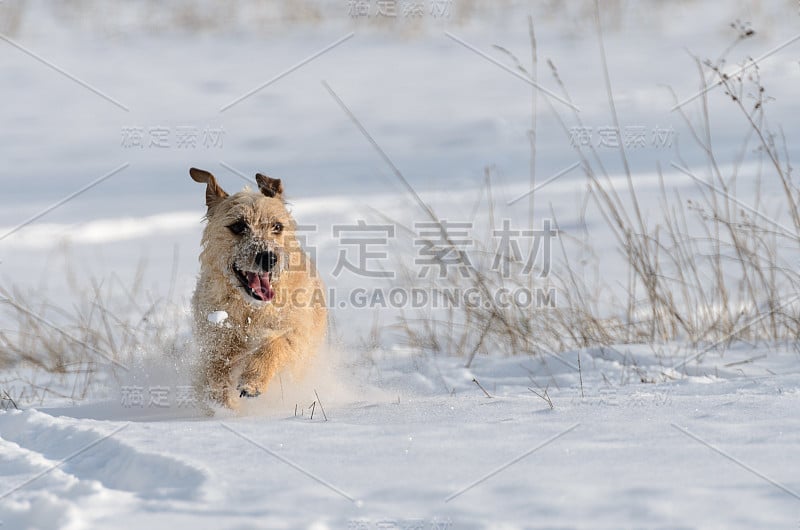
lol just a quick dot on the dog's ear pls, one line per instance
(214, 193)
(269, 186)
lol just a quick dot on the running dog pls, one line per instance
(259, 306)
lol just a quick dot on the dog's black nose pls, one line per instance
(266, 260)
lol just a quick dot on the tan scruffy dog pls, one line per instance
(253, 269)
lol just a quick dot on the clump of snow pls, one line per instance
(217, 317)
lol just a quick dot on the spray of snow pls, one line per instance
(326, 380)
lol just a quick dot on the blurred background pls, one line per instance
(113, 102)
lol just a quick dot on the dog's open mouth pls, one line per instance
(257, 284)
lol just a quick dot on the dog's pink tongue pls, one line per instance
(259, 283)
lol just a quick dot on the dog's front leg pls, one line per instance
(215, 380)
(262, 366)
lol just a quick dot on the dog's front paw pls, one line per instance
(248, 391)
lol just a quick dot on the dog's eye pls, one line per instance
(238, 228)
(277, 228)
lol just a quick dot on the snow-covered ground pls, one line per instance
(412, 442)
(623, 437)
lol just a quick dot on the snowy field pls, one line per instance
(106, 107)
(415, 448)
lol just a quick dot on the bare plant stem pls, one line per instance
(481, 387)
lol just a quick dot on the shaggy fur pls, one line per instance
(253, 268)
